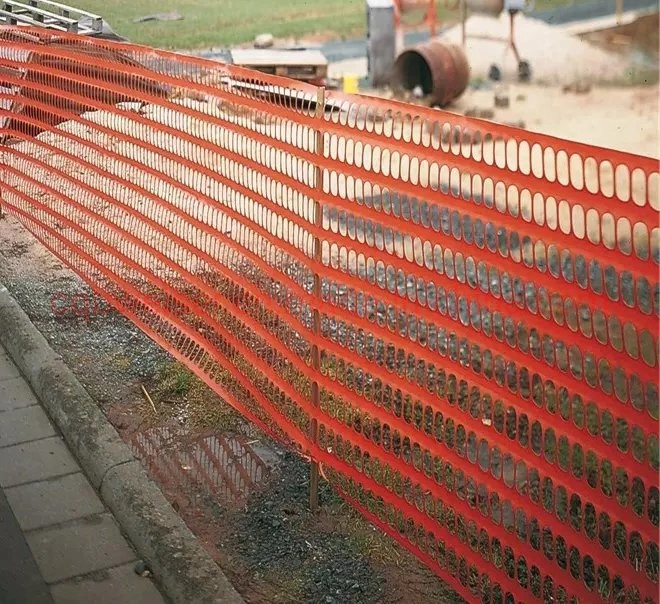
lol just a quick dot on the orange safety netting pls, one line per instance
(458, 319)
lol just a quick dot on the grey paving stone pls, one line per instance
(22, 425)
(7, 368)
(15, 394)
(115, 586)
(79, 548)
(36, 460)
(20, 579)
(48, 502)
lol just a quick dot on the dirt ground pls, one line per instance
(625, 119)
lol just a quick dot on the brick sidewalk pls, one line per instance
(59, 543)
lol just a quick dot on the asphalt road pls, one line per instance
(20, 579)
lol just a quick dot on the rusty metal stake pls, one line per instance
(316, 353)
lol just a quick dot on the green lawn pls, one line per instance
(223, 22)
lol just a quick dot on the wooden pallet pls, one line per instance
(306, 65)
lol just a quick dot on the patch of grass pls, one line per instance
(175, 379)
(222, 22)
(177, 388)
(209, 23)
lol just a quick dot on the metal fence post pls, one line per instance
(316, 353)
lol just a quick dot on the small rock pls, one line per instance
(141, 568)
(501, 98)
(486, 114)
(471, 112)
(494, 73)
(418, 92)
(521, 97)
(264, 41)
(579, 87)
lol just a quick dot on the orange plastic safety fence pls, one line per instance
(464, 314)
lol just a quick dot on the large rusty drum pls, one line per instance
(439, 69)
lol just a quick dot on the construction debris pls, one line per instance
(306, 65)
(579, 87)
(484, 114)
(502, 98)
(159, 17)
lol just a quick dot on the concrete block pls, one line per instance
(16, 394)
(119, 584)
(36, 460)
(21, 339)
(90, 544)
(21, 425)
(92, 439)
(48, 502)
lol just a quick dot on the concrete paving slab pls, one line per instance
(49, 502)
(7, 368)
(35, 460)
(20, 579)
(22, 425)
(91, 544)
(15, 394)
(119, 584)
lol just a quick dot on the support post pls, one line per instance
(2, 177)
(316, 292)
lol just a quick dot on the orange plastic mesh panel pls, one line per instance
(182, 208)
(495, 296)
(459, 320)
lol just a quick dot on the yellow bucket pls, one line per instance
(350, 83)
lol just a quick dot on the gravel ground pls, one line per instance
(108, 353)
(321, 566)
(331, 557)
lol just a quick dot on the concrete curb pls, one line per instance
(186, 572)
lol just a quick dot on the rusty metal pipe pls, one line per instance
(441, 70)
